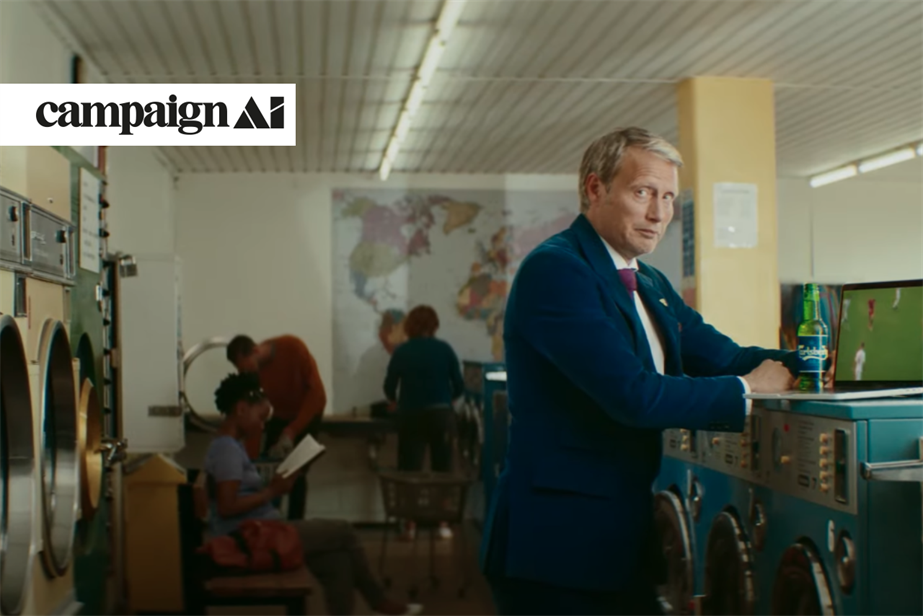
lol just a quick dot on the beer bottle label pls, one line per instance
(812, 353)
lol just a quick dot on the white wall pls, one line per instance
(864, 229)
(30, 52)
(257, 252)
(141, 193)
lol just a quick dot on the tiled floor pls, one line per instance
(404, 569)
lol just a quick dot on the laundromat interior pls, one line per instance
(439, 142)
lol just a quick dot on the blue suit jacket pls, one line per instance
(573, 506)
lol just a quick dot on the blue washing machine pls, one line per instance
(726, 557)
(679, 508)
(843, 514)
(485, 407)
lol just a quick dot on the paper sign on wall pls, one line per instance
(89, 221)
(735, 215)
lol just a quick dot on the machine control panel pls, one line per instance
(10, 229)
(684, 445)
(732, 453)
(51, 245)
(812, 458)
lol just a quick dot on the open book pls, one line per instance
(303, 454)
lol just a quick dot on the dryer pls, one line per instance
(17, 464)
(844, 524)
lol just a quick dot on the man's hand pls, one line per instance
(282, 448)
(392, 405)
(770, 377)
(831, 371)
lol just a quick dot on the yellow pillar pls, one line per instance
(727, 139)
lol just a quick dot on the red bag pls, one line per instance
(257, 546)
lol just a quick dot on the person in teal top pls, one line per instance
(424, 378)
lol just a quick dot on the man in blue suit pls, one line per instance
(601, 356)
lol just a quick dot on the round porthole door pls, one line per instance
(801, 586)
(17, 462)
(676, 544)
(60, 468)
(730, 586)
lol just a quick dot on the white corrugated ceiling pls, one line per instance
(523, 85)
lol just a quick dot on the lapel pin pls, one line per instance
(663, 301)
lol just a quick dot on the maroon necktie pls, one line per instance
(629, 279)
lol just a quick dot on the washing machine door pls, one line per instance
(730, 585)
(89, 446)
(801, 586)
(676, 543)
(60, 468)
(17, 464)
(197, 388)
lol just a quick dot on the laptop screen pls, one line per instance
(880, 337)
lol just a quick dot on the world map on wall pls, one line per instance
(456, 251)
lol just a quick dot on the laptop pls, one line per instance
(879, 344)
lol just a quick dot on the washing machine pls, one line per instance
(53, 379)
(677, 507)
(731, 537)
(18, 465)
(845, 520)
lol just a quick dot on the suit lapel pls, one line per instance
(602, 264)
(657, 308)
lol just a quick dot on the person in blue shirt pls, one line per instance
(424, 378)
(237, 492)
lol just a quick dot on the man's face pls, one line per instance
(248, 363)
(633, 213)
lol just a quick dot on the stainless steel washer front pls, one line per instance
(60, 467)
(17, 460)
(209, 422)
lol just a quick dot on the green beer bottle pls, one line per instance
(812, 342)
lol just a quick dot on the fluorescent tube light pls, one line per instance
(448, 18)
(385, 169)
(393, 147)
(403, 127)
(920, 150)
(431, 59)
(416, 97)
(885, 160)
(836, 175)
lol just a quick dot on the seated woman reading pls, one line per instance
(237, 492)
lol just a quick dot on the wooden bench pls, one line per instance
(289, 589)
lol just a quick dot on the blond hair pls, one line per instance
(605, 155)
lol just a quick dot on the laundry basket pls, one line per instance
(426, 499)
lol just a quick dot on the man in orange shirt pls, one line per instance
(290, 379)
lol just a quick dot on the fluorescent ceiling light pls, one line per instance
(448, 18)
(385, 169)
(403, 127)
(891, 158)
(393, 147)
(920, 150)
(836, 175)
(416, 97)
(431, 59)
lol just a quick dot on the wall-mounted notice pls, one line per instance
(735, 215)
(89, 221)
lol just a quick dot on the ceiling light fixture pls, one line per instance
(866, 165)
(886, 160)
(836, 175)
(448, 18)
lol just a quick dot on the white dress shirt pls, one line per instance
(654, 338)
